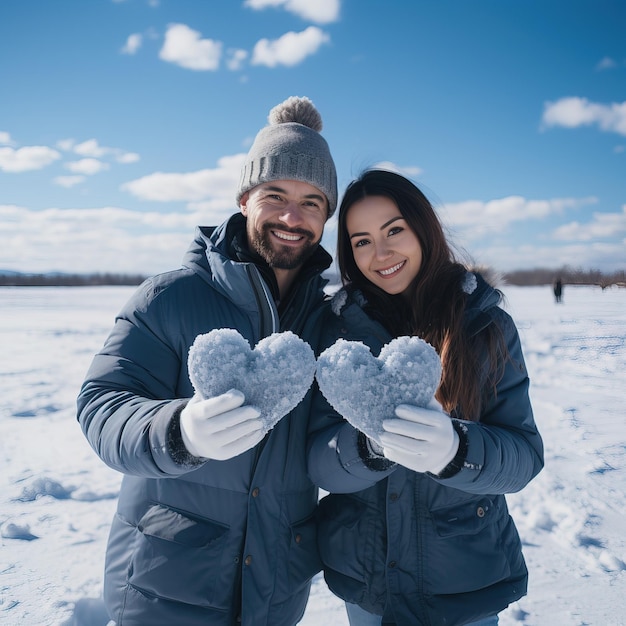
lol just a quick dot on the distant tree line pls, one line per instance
(568, 276)
(522, 278)
(68, 280)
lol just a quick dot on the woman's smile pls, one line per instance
(392, 270)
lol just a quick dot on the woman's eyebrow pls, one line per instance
(391, 221)
(357, 235)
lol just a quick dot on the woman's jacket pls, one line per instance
(193, 541)
(417, 548)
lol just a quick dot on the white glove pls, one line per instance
(220, 428)
(422, 439)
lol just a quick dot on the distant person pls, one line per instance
(417, 531)
(558, 290)
(215, 522)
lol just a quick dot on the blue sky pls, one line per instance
(123, 123)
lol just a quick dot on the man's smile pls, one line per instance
(284, 236)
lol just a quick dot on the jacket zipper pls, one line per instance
(268, 316)
(268, 323)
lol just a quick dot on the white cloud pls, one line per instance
(603, 226)
(27, 158)
(574, 112)
(133, 43)
(86, 166)
(607, 63)
(505, 258)
(476, 219)
(91, 148)
(5, 138)
(127, 157)
(235, 59)
(409, 171)
(66, 144)
(318, 11)
(184, 46)
(107, 239)
(209, 185)
(68, 181)
(290, 49)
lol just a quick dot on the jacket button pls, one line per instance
(480, 511)
(255, 492)
(393, 497)
(248, 560)
(298, 538)
(392, 563)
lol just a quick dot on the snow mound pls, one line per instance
(11, 530)
(274, 377)
(366, 389)
(44, 486)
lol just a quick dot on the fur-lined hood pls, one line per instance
(480, 288)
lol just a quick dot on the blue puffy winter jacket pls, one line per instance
(410, 546)
(218, 542)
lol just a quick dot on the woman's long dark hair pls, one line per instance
(435, 305)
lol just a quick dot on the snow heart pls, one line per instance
(365, 390)
(274, 377)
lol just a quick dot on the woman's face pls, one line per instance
(385, 249)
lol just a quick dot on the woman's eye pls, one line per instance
(395, 230)
(360, 243)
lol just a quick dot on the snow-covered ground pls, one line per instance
(57, 498)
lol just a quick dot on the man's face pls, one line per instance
(285, 221)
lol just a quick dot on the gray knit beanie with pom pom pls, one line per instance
(291, 148)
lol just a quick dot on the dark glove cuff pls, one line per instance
(455, 466)
(175, 445)
(371, 459)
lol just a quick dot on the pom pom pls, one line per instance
(274, 377)
(365, 390)
(296, 109)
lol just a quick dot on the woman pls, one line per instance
(417, 531)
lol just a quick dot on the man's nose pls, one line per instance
(291, 214)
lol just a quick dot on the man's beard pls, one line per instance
(282, 257)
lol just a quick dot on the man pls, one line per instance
(214, 523)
